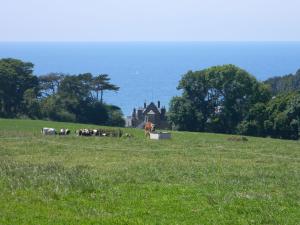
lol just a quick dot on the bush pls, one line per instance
(115, 116)
(249, 128)
(64, 116)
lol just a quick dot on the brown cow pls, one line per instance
(149, 127)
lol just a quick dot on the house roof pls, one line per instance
(151, 107)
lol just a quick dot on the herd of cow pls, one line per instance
(82, 132)
(149, 127)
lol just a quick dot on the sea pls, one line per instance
(150, 71)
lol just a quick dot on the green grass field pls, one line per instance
(195, 178)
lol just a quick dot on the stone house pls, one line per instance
(148, 113)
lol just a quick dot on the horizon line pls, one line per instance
(155, 41)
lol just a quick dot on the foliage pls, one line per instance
(183, 115)
(55, 96)
(115, 116)
(15, 78)
(50, 83)
(279, 118)
(284, 112)
(254, 122)
(216, 99)
(31, 103)
(101, 83)
(284, 84)
(227, 99)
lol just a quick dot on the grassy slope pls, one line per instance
(191, 179)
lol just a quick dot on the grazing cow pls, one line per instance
(84, 132)
(48, 131)
(64, 131)
(96, 132)
(149, 127)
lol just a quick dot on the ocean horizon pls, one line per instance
(150, 71)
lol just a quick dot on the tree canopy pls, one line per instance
(215, 99)
(279, 118)
(284, 84)
(228, 99)
(15, 79)
(224, 99)
(102, 83)
(55, 96)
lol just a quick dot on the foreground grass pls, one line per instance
(191, 179)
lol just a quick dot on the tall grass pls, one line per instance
(195, 178)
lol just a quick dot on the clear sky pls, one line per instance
(149, 20)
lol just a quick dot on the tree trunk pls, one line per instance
(101, 97)
(2, 107)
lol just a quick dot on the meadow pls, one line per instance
(194, 178)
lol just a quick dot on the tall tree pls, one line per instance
(75, 92)
(49, 83)
(284, 114)
(15, 78)
(216, 99)
(284, 84)
(102, 83)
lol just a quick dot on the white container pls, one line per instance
(159, 136)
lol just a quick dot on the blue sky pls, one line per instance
(149, 20)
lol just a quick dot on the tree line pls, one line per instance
(284, 84)
(55, 96)
(221, 99)
(227, 99)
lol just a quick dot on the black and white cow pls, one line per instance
(96, 132)
(84, 132)
(64, 131)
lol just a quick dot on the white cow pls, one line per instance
(48, 131)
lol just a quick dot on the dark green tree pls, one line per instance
(52, 108)
(75, 94)
(279, 118)
(115, 116)
(15, 78)
(284, 84)
(55, 96)
(184, 116)
(31, 104)
(284, 113)
(254, 123)
(216, 99)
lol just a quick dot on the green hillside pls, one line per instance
(195, 178)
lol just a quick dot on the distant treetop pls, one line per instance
(284, 84)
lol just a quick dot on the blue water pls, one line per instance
(151, 71)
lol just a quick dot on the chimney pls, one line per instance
(158, 104)
(145, 105)
(134, 113)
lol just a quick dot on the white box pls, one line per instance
(160, 135)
